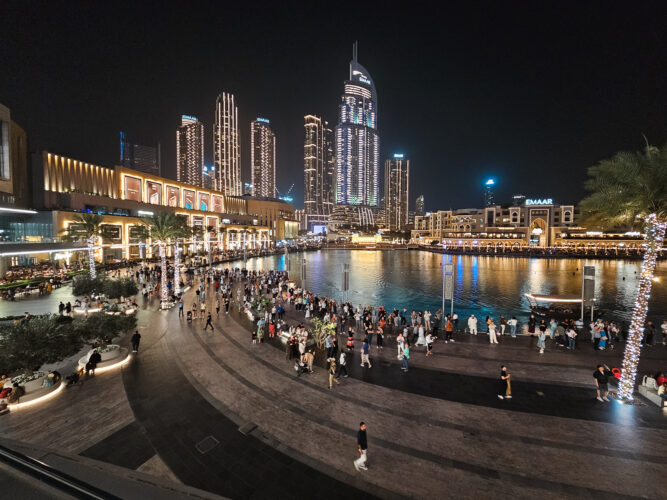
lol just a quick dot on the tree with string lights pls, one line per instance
(164, 229)
(88, 228)
(630, 189)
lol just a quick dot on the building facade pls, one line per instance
(396, 192)
(14, 172)
(357, 140)
(189, 151)
(137, 157)
(227, 146)
(420, 209)
(318, 171)
(262, 158)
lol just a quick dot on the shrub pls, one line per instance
(85, 285)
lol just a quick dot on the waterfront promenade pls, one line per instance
(213, 411)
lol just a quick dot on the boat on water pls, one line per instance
(556, 306)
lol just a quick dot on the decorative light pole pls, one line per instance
(177, 270)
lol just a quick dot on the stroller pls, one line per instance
(300, 368)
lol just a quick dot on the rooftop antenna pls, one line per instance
(354, 51)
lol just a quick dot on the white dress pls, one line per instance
(492, 334)
(421, 340)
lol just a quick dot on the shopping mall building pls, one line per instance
(41, 194)
(538, 222)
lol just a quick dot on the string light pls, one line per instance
(163, 275)
(655, 233)
(91, 257)
(177, 272)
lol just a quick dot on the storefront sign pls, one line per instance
(538, 201)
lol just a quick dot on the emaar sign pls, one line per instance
(537, 201)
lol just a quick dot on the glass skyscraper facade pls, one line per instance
(262, 158)
(318, 168)
(145, 159)
(396, 192)
(357, 140)
(227, 146)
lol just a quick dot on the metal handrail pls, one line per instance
(45, 473)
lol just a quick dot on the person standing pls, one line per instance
(406, 357)
(649, 332)
(472, 324)
(380, 337)
(601, 376)
(492, 332)
(362, 446)
(365, 349)
(227, 304)
(541, 336)
(571, 336)
(399, 345)
(429, 344)
(136, 338)
(449, 329)
(180, 308)
(217, 307)
(505, 387)
(512, 323)
(61, 308)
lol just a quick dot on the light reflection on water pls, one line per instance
(482, 285)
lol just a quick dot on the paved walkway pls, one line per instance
(217, 413)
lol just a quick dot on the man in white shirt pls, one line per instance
(472, 324)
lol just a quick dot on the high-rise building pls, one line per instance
(227, 146)
(488, 193)
(396, 192)
(145, 159)
(207, 177)
(419, 205)
(357, 140)
(190, 151)
(318, 169)
(262, 158)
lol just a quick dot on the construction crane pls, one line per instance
(285, 197)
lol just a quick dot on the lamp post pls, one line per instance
(303, 274)
(346, 280)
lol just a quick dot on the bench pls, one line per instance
(651, 395)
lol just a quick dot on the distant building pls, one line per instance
(419, 205)
(190, 151)
(227, 146)
(207, 177)
(518, 200)
(357, 140)
(318, 171)
(396, 192)
(354, 217)
(488, 192)
(15, 188)
(145, 159)
(262, 158)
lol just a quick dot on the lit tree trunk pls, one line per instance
(207, 245)
(655, 234)
(91, 257)
(164, 293)
(177, 271)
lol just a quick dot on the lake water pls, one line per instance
(482, 285)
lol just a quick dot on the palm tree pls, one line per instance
(163, 229)
(194, 232)
(183, 231)
(631, 189)
(140, 236)
(86, 227)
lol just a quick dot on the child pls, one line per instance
(254, 337)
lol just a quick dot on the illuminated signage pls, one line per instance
(398, 155)
(490, 182)
(145, 213)
(364, 80)
(263, 120)
(188, 117)
(538, 201)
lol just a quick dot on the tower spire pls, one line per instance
(354, 51)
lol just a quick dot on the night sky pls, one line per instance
(531, 94)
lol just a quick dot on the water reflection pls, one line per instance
(483, 285)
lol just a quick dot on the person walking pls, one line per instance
(136, 338)
(217, 307)
(406, 357)
(505, 391)
(429, 344)
(365, 349)
(492, 332)
(350, 339)
(601, 376)
(227, 305)
(208, 322)
(541, 337)
(362, 446)
(180, 308)
(503, 323)
(472, 324)
(571, 336)
(332, 374)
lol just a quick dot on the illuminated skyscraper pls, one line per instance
(137, 157)
(190, 150)
(419, 205)
(357, 140)
(226, 146)
(488, 192)
(396, 192)
(318, 169)
(262, 158)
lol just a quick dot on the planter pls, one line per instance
(112, 355)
